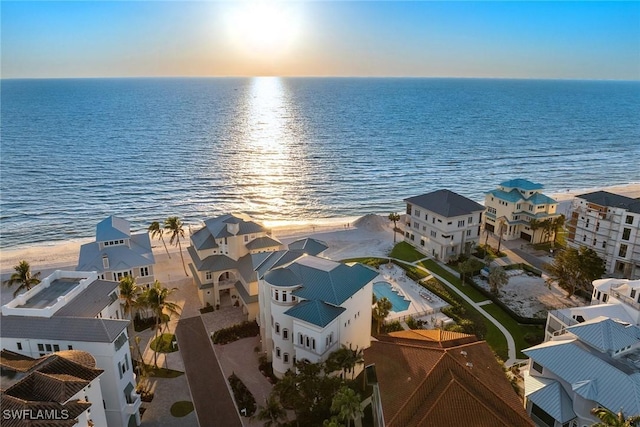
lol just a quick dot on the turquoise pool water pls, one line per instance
(383, 289)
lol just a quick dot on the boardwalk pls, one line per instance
(211, 396)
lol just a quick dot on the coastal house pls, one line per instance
(439, 378)
(618, 299)
(59, 389)
(223, 255)
(74, 310)
(117, 252)
(442, 224)
(513, 205)
(609, 224)
(310, 306)
(595, 363)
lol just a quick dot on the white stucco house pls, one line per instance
(442, 224)
(117, 252)
(310, 306)
(74, 310)
(609, 224)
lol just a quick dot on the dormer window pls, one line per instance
(105, 261)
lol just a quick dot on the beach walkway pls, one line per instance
(512, 360)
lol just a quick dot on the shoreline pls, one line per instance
(57, 254)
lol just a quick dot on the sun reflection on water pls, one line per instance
(269, 165)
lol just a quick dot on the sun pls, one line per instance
(263, 28)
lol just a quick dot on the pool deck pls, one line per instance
(424, 304)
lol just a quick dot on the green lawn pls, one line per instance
(163, 344)
(181, 408)
(517, 330)
(406, 252)
(469, 291)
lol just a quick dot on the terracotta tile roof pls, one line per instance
(50, 381)
(429, 381)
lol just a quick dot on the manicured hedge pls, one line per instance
(243, 397)
(236, 332)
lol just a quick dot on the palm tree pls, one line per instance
(156, 230)
(381, 311)
(346, 404)
(395, 218)
(558, 224)
(497, 279)
(156, 299)
(534, 225)
(129, 293)
(23, 277)
(174, 226)
(501, 226)
(272, 412)
(611, 419)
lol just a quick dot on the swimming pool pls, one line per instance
(383, 289)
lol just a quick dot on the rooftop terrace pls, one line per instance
(47, 296)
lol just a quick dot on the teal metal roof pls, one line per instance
(554, 401)
(315, 312)
(262, 242)
(333, 286)
(112, 228)
(522, 184)
(618, 384)
(282, 277)
(606, 335)
(541, 199)
(512, 196)
(309, 246)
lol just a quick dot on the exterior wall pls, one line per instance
(112, 387)
(604, 229)
(438, 236)
(92, 394)
(315, 334)
(355, 322)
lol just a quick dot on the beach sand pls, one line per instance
(343, 235)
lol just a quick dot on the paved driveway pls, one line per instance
(211, 396)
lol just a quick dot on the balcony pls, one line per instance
(625, 299)
(133, 404)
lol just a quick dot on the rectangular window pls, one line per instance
(536, 367)
(433, 233)
(491, 210)
(633, 293)
(470, 220)
(300, 339)
(70, 347)
(284, 296)
(424, 228)
(278, 352)
(285, 358)
(246, 238)
(626, 233)
(408, 209)
(313, 343)
(433, 220)
(426, 217)
(307, 341)
(120, 369)
(56, 347)
(208, 275)
(126, 361)
(604, 245)
(623, 251)
(421, 242)
(416, 213)
(144, 271)
(277, 294)
(518, 206)
(629, 219)
(285, 334)
(468, 232)
(48, 347)
(461, 223)
(277, 328)
(19, 346)
(412, 237)
(416, 225)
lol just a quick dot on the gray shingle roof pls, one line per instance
(218, 226)
(112, 228)
(91, 301)
(121, 257)
(446, 203)
(62, 328)
(604, 198)
(202, 239)
(315, 312)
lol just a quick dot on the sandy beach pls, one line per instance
(345, 237)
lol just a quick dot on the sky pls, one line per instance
(510, 39)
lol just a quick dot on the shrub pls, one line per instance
(392, 327)
(266, 369)
(181, 408)
(236, 332)
(243, 397)
(414, 323)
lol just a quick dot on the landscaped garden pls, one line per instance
(233, 333)
(165, 343)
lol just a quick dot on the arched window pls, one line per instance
(277, 328)
(285, 358)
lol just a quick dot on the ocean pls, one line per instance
(74, 151)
